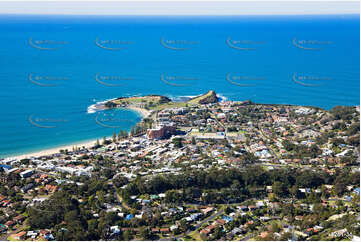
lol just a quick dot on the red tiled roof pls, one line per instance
(205, 231)
(19, 217)
(9, 223)
(22, 233)
(220, 221)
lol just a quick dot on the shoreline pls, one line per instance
(143, 112)
(55, 150)
(87, 144)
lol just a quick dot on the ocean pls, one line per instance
(53, 69)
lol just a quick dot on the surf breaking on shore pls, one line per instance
(99, 106)
(181, 98)
(96, 107)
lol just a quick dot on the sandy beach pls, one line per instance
(143, 112)
(55, 150)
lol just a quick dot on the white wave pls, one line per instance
(179, 98)
(91, 109)
(223, 98)
(193, 96)
(219, 96)
(98, 106)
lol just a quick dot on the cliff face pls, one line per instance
(110, 104)
(164, 99)
(209, 97)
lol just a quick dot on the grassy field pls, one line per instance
(199, 98)
(154, 102)
(145, 99)
(10, 238)
(169, 105)
(195, 235)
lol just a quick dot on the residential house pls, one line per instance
(20, 236)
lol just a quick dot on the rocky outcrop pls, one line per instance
(209, 97)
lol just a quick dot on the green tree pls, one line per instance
(178, 142)
(114, 137)
(145, 233)
(97, 144)
(279, 188)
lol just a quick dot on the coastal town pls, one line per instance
(200, 169)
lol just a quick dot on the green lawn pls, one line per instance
(197, 99)
(156, 99)
(188, 238)
(10, 238)
(168, 105)
(195, 235)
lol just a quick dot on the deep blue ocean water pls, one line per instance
(52, 68)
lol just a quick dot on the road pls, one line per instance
(269, 139)
(4, 236)
(122, 204)
(220, 212)
(220, 124)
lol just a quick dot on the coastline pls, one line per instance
(87, 144)
(143, 112)
(52, 151)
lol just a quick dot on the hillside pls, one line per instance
(209, 97)
(158, 102)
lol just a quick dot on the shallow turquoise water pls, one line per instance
(52, 68)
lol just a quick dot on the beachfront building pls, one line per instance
(162, 131)
(26, 173)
